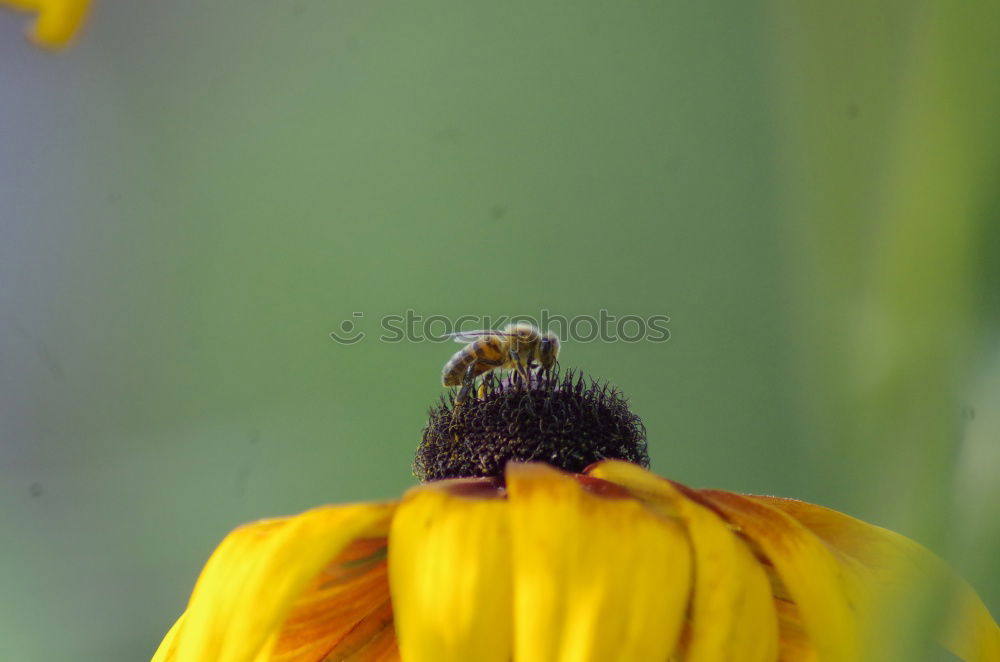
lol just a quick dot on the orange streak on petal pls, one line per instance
(889, 564)
(385, 648)
(325, 618)
(371, 638)
(815, 578)
(794, 643)
(731, 614)
(257, 574)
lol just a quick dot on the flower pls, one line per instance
(535, 563)
(58, 20)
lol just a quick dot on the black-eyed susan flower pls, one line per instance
(57, 21)
(536, 547)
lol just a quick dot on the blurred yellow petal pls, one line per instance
(888, 562)
(254, 578)
(167, 649)
(814, 578)
(449, 565)
(597, 575)
(57, 22)
(732, 612)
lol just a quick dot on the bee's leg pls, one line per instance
(470, 378)
(532, 365)
(518, 368)
(467, 380)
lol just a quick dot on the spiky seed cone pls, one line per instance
(564, 419)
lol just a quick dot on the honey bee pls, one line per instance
(519, 347)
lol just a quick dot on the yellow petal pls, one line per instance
(888, 561)
(732, 611)
(449, 566)
(254, 577)
(167, 650)
(815, 580)
(57, 22)
(597, 575)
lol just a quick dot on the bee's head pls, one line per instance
(548, 349)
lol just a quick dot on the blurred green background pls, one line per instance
(196, 194)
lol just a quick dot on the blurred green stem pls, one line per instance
(890, 116)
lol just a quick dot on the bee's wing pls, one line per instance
(472, 336)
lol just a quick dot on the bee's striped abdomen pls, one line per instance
(456, 366)
(487, 348)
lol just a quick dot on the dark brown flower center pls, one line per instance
(566, 420)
